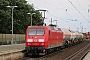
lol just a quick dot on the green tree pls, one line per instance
(20, 18)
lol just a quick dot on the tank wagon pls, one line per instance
(45, 39)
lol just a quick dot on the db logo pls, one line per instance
(35, 40)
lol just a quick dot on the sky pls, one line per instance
(70, 14)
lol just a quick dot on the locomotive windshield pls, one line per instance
(36, 32)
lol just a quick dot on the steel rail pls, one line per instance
(85, 54)
(78, 53)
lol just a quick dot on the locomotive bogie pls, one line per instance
(33, 50)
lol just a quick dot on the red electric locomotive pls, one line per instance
(42, 39)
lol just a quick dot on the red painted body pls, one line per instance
(50, 37)
(55, 37)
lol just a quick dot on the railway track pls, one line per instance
(65, 54)
(41, 57)
(79, 55)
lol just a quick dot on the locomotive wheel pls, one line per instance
(26, 54)
(66, 44)
(47, 52)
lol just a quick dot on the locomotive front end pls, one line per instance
(35, 40)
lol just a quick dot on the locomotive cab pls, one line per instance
(35, 39)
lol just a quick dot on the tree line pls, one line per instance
(20, 17)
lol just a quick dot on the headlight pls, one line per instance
(29, 40)
(41, 40)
